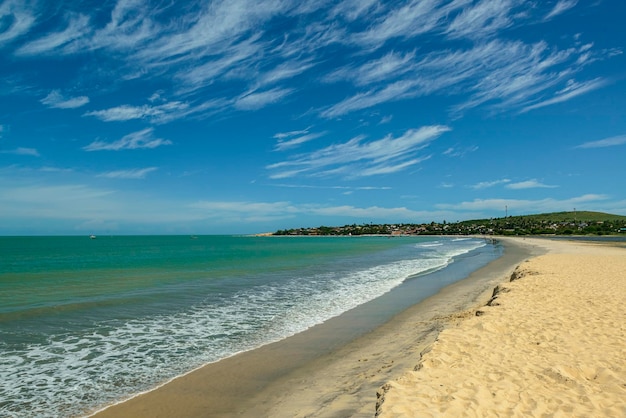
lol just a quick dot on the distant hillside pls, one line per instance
(557, 223)
(578, 216)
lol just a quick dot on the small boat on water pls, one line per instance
(92, 236)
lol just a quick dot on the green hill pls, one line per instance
(557, 223)
(560, 223)
(587, 216)
(577, 216)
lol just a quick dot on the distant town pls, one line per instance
(559, 223)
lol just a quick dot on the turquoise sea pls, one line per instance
(87, 322)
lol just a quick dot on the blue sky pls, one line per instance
(146, 117)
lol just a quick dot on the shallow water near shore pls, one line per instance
(84, 323)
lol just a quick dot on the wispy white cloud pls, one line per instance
(243, 211)
(387, 168)
(264, 211)
(529, 184)
(130, 26)
(77, 27)
(135, 140)
(80, 207)
(354, 9)
(71, 192)
(283, 71)
(391, 65)
(399, 90)
(39, 202)
(258, 100)
(22, 151)
(572, 90)
(284, 135)
(213, 29)
(156, 96)
(312, 186)
(457, 18)
(285, 144)
(413, 18)
(135, 173)
(456, 152)
(234, 62)
(516, 74)
(222, 41)
(504, 74)
(482, 19)
(386, 119)
(156, 113)
(561, 7)
(48, 169)
(488, 184)
(524, 206)
(606, 142)
(244, 207)
(76, 205)
(19, 20)
(358, 157)
(56, 100)
(371, 212)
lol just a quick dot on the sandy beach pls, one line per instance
(315, 374)
(551, 343)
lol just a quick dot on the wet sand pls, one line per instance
(551, 343)
(315, 374)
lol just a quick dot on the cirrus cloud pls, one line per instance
(135, 140)
(606, 142)
(359, 157)
(22, 151)
(526, 206)
(56, 100)
(134, 173)
(529, 184)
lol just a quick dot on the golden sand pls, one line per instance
(552, 343)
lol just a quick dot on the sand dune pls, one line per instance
(552, 343)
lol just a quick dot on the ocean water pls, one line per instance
(87, 322)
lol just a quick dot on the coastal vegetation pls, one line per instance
(557, 223)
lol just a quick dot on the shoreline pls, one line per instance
(311, 374)
(550, 342)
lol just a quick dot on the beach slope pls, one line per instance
(552, 342)
(312, 374)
